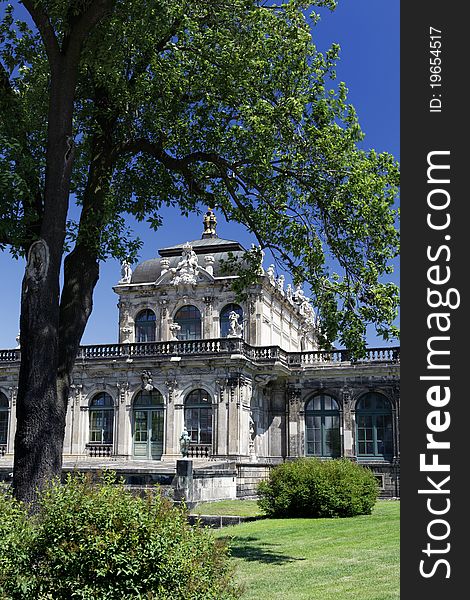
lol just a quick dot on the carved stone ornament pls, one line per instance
(147, 381)
(293, 395)
(187, 269)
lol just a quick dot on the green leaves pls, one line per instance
(228, 104)
(95, 540)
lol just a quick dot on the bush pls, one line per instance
(310, 487)
(99, 542)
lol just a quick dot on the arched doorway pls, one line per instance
(148, 424)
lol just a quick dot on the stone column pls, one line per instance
(171, 447)
(208, 327)
(295, 429)
(122, 421)
(221, 433)
(233, 425)
(348, 424)
(244, 433)
(72, 427)
(178, 421)
(163, 333)
(277, 429)
(126, 329)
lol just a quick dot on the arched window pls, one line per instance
(322, 432)
(198, 416)
(101, 419)
(224, 317)
(374, 427)
(148, 422)
(4, 414)
(189, 319)
(145, 326)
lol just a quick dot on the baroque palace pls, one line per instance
(246, 379)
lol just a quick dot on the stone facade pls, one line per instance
(246, 378)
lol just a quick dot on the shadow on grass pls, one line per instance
(247, 549)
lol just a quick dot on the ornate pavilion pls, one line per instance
(245, 378)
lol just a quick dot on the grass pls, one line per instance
(239, 508)
(319, 559)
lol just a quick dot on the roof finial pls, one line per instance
(210, 223)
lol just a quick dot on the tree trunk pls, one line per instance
(40, 415)
(40, 418)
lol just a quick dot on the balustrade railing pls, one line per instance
(223, 346)
(99, 450)
(199, 450)
(9, 355)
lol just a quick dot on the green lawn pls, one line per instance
(239, 508)
(318, 559)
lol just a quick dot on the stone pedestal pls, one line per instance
(183, 482)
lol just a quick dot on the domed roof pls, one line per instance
(150, 270)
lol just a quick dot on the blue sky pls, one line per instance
(368, 34)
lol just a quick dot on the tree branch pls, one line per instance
(42, 22)
(83, 24)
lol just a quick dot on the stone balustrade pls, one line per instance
(99, 450)
(199, 450)
(222, 347)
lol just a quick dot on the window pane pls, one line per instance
(145, 326)
(140, 426)
(101, 426)
(189, 318)
(102, 399)
(148, 398)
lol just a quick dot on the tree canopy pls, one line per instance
(193, 104)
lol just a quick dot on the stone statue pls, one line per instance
(174, 328)
(185, 440)
(235, 329)
(126, 272)
(280, 283)
(271, 275)
(299, 296)
(289, 293)
(187, 269)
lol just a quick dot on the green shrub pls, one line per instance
(310, 487)
(99, 542)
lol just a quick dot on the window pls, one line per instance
(189, 319)
(322, 432)
(4, 414)
(224, 318)
(148, 423)
(101, 419)
(198, 417)
(145, 326)
(374, 427)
